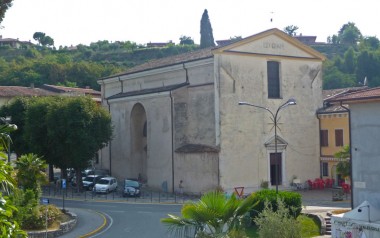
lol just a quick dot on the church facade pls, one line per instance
(178, 118)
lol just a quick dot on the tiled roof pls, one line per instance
(171, 60)
(62, 89)
(331, 94)
(362, 95)
(15, 91)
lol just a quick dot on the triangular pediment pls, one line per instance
(281, 143)
(273, 42)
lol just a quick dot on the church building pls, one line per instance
(179, 118)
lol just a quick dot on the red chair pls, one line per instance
(312, 184)
(328, 183)
(346, 188)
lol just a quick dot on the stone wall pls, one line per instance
(64, 228)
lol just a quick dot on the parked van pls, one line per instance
(106, 185)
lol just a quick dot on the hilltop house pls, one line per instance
(178, 118)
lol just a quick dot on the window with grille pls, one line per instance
(324, 138)
(273, 71)
(338, 137)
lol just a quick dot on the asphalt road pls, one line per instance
(118, 219)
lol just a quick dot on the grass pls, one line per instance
(310, 228)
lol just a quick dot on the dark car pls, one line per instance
(90, 180)
(132, 188)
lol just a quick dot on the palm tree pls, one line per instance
(213, 215)
(7, 181)
(30, 172)
(9, 227)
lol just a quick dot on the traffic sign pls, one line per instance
(45, 200)
(63, 183)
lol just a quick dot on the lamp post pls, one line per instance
(290, 102)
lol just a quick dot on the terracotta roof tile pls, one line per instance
(367, 94)
(331, 93)
(15, 91)
(171, 60)
(62, 89)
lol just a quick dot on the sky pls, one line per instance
(73, 22)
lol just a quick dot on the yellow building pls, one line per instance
(334, 132)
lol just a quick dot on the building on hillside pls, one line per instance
(334, 132)
(364, 111)
(71, 91)
(14, 43)
(7, 93)
(158, 44)
(178, 118)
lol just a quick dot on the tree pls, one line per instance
(4, 6)
(291, 30)
(30, 173)
(186, 40)
(344, 167)
(213, 216)
(16, 109)
(207, 38)
(70, 130)
(43, 39)
(349, 61)
(349, 34)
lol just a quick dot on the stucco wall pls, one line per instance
(365, 129)
(199, 171)
(159, 143)
(331, 122)
(244, 130)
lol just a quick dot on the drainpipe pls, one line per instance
(349, 138)
(320, 148)
(110, 144)
(121, 84)
(172, 110)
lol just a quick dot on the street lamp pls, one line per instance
(290, 102)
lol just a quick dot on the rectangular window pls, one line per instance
(338, 137)
(273, 71)
(324, 138)
(325, 169)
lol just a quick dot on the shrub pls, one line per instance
(292, 201)
(30, 215)
(278, 223)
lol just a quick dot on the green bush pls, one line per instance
(292, 201)
(32, 216)
(278, 223)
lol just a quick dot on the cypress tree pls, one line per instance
(207, 39)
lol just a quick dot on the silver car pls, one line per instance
(106, 185)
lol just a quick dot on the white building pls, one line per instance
(178, 118)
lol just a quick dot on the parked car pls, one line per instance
(132, 188)
(106, 185)
(90, 180)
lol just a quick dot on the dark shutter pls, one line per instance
(324, 138)
(339, 137)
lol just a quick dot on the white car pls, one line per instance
(106, 185)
